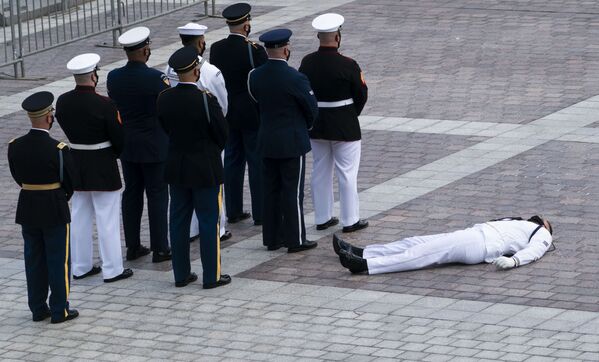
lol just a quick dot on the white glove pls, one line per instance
(504, 262)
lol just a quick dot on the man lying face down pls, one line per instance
(507, 243)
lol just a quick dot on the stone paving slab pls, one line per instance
(265, 320)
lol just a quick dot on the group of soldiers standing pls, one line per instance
(172, 132)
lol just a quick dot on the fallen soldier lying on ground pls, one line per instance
(507, 243)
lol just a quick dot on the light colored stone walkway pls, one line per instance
(147, 318)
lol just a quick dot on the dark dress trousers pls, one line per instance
(194, 172)
(134, 88)
(287, 109)
(37, 159)
(335, 77)
(232, 56)
(88, 118)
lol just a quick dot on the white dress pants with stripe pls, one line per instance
(345, 158)
(462, 246)
(105, 207)
(194, 228)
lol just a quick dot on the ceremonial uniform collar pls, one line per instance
(85, 88)
(187, 84)
(40, 129)
(134, 63)
(327, 49)
(279, 59)
(237, 34)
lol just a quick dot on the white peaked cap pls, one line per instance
(192, 29)
(83, 63)
(328, 23)
(134, 36)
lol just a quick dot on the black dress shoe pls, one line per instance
(332, 222)
(224, 280)
(354, 263)
(160, 256)
(305, 246)
(138, 252)
(340, 244)
(238, 218)
(194, 238)
(226, 236)
(274, 247)
(71, 314)
(192, 277)
(94, 270)
(361, 224)
(124, 275)
(41, 317)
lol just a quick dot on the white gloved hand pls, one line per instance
(504, 262)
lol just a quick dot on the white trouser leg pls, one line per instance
(322, 180)
(194, 227)
(82, 215)
(223, 213)
(463, 246)
(347, 163)
(107, 205)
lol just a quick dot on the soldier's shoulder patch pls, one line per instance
(61, 145)
(165, 80)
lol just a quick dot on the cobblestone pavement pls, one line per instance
(478, 109)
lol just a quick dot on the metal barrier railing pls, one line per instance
(32, 26)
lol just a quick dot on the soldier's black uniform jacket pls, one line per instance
(335, 77)
(196, 138)
(35, 159)
(134, 88)
(232, 56)
(287, 109)
(89, 118)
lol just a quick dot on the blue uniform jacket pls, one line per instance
(287, 108)
(134, 88)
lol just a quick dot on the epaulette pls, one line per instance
(208, 93)
(61, 145)
(254, 44)
(165, 80)
(11, 141)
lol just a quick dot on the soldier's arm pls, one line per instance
(260, 56)
(11, 165)
(70, 179)
(536, 248)
(358, 88)
(114, 128)
(305, 97)
(220, 91)
(219, 127)
(163, 123)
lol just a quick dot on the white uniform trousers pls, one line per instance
(194, 228)
(105, 206)
(345, 158)
(462, 246)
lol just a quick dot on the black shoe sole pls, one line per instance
(95, 270)
(123, 275)
(190, 279)
(301, 248)
(332, 222)
(220, 283)
(351, 229)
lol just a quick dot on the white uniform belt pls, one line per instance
(336, 104)
(97, 146)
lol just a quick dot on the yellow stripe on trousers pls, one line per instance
(66, 266)
(220, 205)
